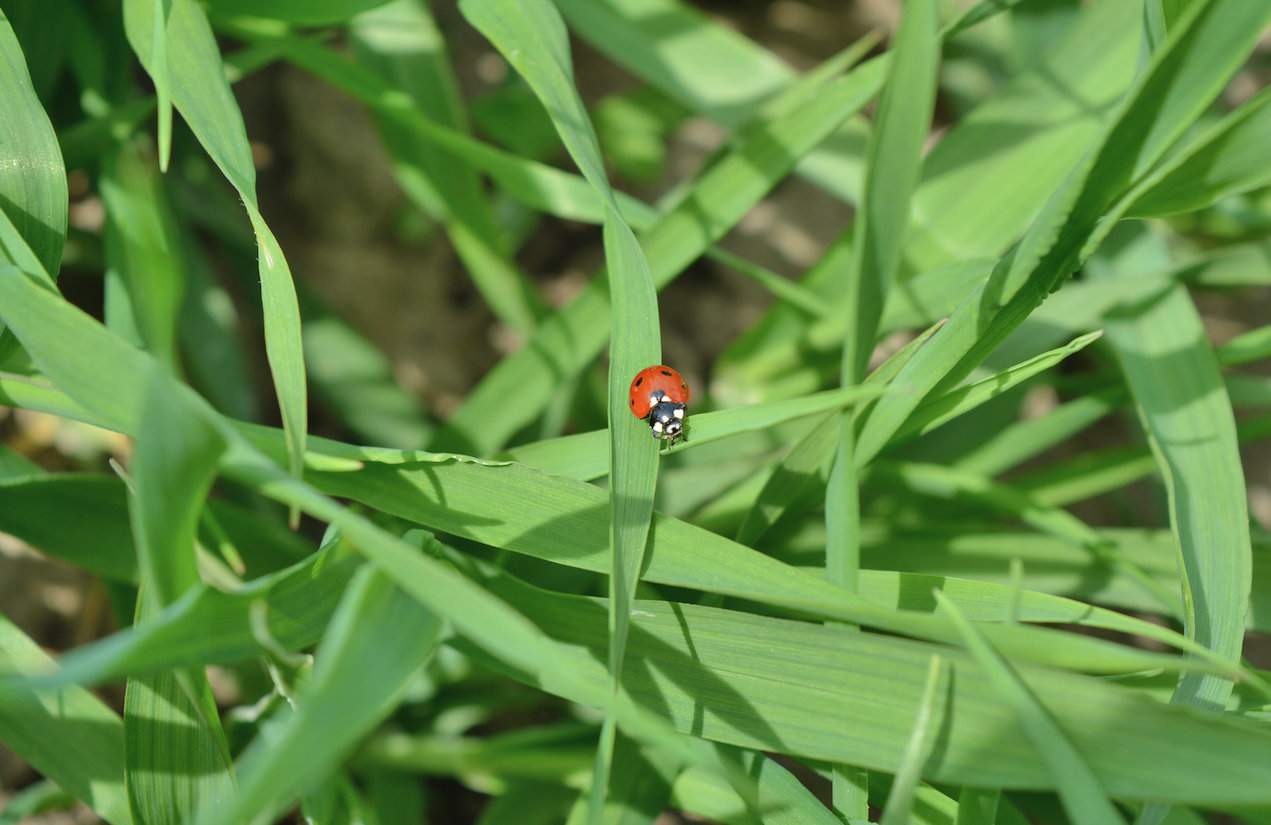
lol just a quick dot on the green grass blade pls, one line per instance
(401, 43)
(532, 37)
(856, 692)
(160, 10)
(204, 99)
(177, 757)
(1207, 45)
(1225, 160)
(378, 637)
(38, 725)
(900, 798)
(1079, 789)
(1175, 380)
(582, 456)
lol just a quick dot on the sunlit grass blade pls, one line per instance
(932, 414)
(927, 723)
(1174, 378)
(532, 37)
(299, 12)
(203, 97)
(1079, 788)
(377, 639)
(582, 456)
(1223, 161)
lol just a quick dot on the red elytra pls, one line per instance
(650, 381)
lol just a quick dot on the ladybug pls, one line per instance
(660, 395)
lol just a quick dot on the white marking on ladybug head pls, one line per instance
(679, 412)
(673, 429)
(657, 426)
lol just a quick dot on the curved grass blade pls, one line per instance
(532, 37)
(203, 97)
(1079, 788)
(378, 638)
(1225, 160)
(927, 724)
(782, 798)
(581, 456)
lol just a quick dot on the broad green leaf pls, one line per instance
(1225, 160)
(377, 639)
(39, 725)
(203, 97)
(839, 696)
(1205, 48)
(299, 12)
(401, 43)
(1079, 787)
(1174, 378)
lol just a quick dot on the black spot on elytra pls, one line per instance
(667, 373)
(640, 380)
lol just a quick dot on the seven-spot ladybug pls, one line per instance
(660, 394)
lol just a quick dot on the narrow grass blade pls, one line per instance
(893, 161)
(38, 725)
(176, 755)
(977, 806)
(581, 456)
(203, 97)
(1174, 378)
(1225, 160)
(1079, 788)
(638, 792)
(378, 637)
(160, 9)
(931, 414)
(927, 724)
(532, 37)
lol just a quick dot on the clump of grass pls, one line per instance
(858, 594)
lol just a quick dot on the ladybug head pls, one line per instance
(667, 420)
